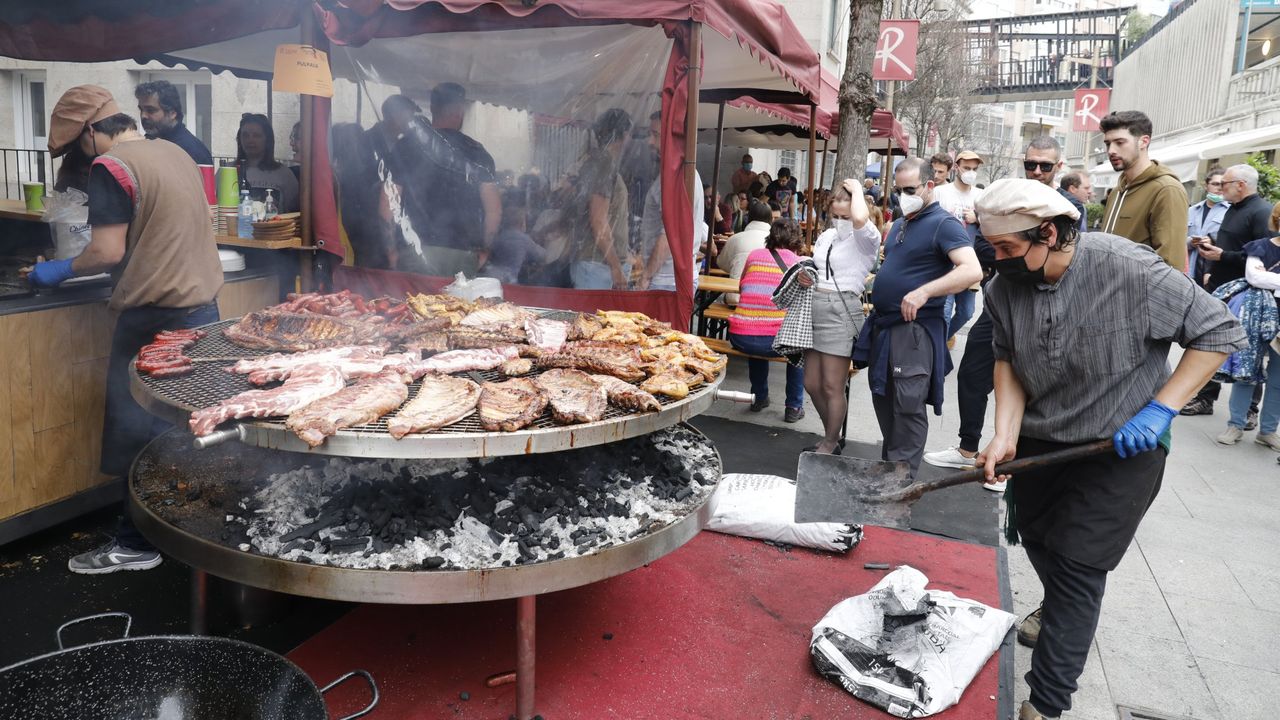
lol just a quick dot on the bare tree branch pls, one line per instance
(937, 100)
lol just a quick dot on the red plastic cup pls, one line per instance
(210, 189)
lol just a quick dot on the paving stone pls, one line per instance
(1137, 605)
(1242, 692)
(1183, 570)
(1261, 581)
(1157, 673)
(1236, 633)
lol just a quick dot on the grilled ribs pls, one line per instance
(364, 402)
(441, 400)
(510, 405)
(619, 361)
(293, 332)
(627, 396)
(574, 396)
(304, 386)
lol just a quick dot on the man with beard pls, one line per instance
(927, 256)
(160, 109)
(1149, 204)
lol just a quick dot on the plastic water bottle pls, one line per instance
(269, 209)
(244, 218)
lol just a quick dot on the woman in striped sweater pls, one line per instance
(756, 319)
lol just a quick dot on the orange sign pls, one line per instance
(302, 69)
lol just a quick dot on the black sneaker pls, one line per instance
(1197, 406)
(1251, 421)
(792, 415)
(758, 405)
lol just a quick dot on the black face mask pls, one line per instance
(1015, 269)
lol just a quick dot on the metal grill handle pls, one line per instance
(735, 396)
(235, 432)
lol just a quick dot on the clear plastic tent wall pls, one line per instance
(529, 155)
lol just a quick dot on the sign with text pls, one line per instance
(896, 50)
(302, 69)
(1091, 105)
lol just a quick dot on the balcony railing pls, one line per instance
(1260, 82)
(18, 166)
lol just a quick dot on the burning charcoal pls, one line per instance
(353, 526)
(348, 544)
(311, 511)
(496, 536)
(310, 529)
(497, 555)
(433, 562)
(683, 493)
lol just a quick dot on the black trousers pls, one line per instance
(901, 412)
(126, 427)
(974, 382)
(1068, 620)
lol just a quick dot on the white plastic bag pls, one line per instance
(68, 213)
(908, 651)
(763, 506)
(475, 288)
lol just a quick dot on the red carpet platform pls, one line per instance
(717, 630)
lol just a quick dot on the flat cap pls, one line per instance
(80, 106)
(1015, 204)
(968, 155)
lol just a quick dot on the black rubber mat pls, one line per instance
(38, 593)
(966, 512)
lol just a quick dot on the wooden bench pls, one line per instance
(725, 348)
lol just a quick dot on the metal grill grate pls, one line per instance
(211, 384)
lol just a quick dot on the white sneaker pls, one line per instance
(1230, 436)
(998, 487)
(949, 458)
(1271, 440)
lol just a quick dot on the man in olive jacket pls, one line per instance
(1149, 204)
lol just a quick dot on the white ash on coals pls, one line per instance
(471, 514)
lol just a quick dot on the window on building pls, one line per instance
(196, 91)
(838, 12)
(30, 122)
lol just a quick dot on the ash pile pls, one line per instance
(458, 514)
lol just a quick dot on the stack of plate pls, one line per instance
(281, 227)
(225, 221)
(231, 260)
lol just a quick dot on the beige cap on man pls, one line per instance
(80, 106)
(969, 155)
(1014, 204)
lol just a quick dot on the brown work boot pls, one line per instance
(1029, 712)
(1029, 629)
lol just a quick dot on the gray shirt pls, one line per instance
(1092, 349)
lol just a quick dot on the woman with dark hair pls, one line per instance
(756, 320)
(259, 169)
(598, 208)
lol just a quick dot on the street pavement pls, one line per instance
(1188, 625)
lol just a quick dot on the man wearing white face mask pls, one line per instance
(927, 257)
(958, 198)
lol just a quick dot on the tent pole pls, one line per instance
(822, 175)
(306, 205)
(271, 116)
(715, 184)
(691, 118)
(884, 177)
(810, 213)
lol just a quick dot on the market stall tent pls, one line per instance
(751, 49)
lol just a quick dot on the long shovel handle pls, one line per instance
(1035, 462)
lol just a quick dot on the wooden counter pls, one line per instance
(17, 210)
(53, 369)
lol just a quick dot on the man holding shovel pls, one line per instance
(1082, 330)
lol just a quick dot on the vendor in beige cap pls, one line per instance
(151, 230)
(1082, 326)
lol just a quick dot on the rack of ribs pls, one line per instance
(304, 386)
(363, 402)
(275, 330)
(441, 400)
(574, 396)
(465, 360)
(627, 396)
(510, 405)
(278, 366)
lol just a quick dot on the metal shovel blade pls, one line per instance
(840, 489)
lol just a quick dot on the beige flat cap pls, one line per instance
(1015, 204)
(968, 155)
(81, 105)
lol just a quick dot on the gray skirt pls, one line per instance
(834, 327)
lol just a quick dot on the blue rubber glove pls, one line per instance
(51, 273)
(1142, 432)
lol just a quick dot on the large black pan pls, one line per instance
(181, 677)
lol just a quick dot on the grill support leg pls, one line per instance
(199, 601)
(526, 622)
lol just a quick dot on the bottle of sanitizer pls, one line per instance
(244, 218)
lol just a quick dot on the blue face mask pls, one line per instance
(746, 166)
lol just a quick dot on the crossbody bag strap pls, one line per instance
(778, 259)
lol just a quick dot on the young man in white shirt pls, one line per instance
(958, 198)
